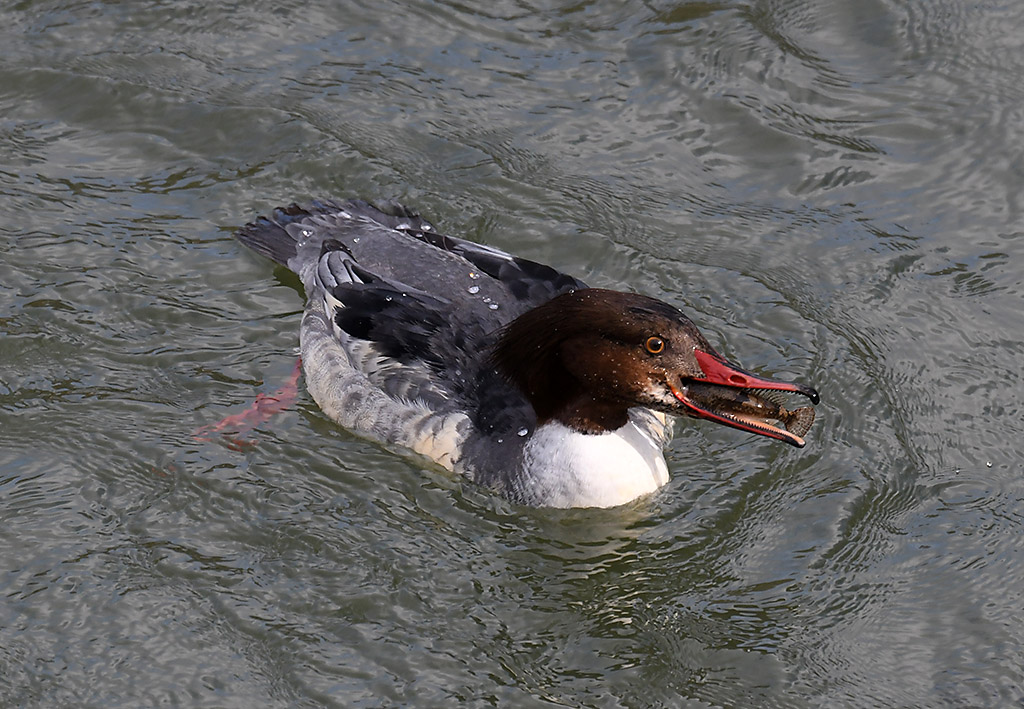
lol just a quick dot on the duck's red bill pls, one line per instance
(737, 398)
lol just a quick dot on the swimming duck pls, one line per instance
(501, 369)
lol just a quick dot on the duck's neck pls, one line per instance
(586, 414)
(530, 353)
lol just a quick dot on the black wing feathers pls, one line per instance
(406, 324)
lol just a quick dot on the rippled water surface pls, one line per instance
(832, 189)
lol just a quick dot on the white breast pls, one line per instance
(566, 468)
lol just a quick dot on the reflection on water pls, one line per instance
(831, 189)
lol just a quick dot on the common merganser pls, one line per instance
(501, 369)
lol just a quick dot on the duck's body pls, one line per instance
(501, 369)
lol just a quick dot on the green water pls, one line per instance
(831, 189)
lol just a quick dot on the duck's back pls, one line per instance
(479, 283)
(398, 325)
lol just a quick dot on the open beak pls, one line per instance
(734, 397)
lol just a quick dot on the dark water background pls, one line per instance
(832, 189)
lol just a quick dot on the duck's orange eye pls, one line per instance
(655, 345)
